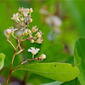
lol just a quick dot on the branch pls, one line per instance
(11, 43)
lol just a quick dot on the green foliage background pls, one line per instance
(73, 27)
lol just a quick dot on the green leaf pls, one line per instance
(57, 71)
(2, 57)
(80, 59)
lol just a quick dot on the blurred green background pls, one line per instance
(59, 39)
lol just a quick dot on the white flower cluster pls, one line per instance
(23, 19)
(24, 16)
(21, 31)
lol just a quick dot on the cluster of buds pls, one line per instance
(37, 35)
(21, 31)
(23, 19)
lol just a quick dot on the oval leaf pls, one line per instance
(57, 71)
(2, 57)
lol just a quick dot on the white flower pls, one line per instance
(24, 11)
(33, 50)
(7, 32)
(16, 17)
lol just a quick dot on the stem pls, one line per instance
(19, 45)
(11, 43)
(15, 53)
(13, 36)
(33, 56)
(27, 39)
(19, 51)
(10, 72)
(13, 58)
(23, 62)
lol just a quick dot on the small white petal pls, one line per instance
(15, 17)
(33, 50)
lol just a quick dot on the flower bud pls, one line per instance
(42, 57)
(30, 20)
(30, 10)
(22, 19)
(32, 41)
(38, 34)
(29, 31)
(34, 29)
